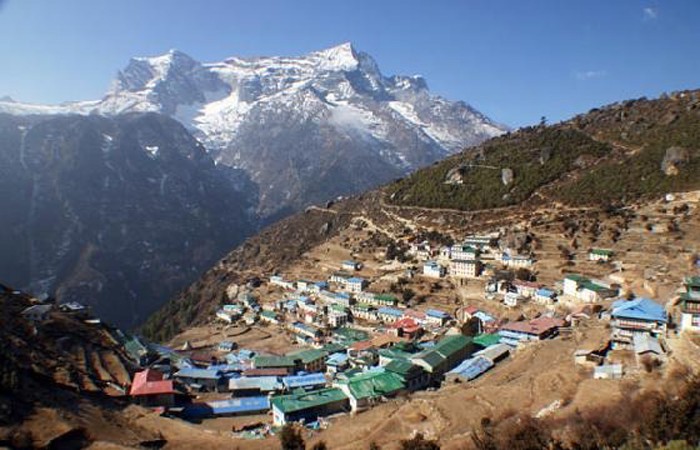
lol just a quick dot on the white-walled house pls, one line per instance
(433, 270)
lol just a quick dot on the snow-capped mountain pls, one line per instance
(305, 128)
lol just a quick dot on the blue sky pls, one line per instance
(514, 60)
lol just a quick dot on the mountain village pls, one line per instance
(349, 330)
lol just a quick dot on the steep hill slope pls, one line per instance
(119, 213)
(305, 129)
(621, 152)
(550, 168)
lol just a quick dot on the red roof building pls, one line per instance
(406, 327)
(150, 389)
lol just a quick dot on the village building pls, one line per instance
(600, 254)
(469, 369)
(482, 242)
(336, 298)
(225, 346)
(340, 277)
(355, 284)
(277, 280)
(418, 316)
(406, 327)
(633, 317)
(526, 289)
(308, 406)
(514, 333)
(254, 386)
(337, 316)
(446, 354)
(436, 317)
(494, 352)
(72, 307)
(306, 381)
(265, 372)
(225, 408)
(309, 360)
(433, 270)
(465, 268)
(608, 372)
(463, 252)
(365, 312)
(351, 265)
(337, 362)
(690, 305)
(412, 376)
(269, 317)
(150, 389)
(304, 330)
(366, 389)
(201, 379)
(515, 261)
(304, 285)
(389, 315)
(545, 296)
(584, 289)
(37, 313)
(317, 287)
(646, 346)
(274, 362)
(512, 299)
(373, 299)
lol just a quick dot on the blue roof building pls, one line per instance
(236, 406)
(304, 381)
(635, 317)
(469, 369)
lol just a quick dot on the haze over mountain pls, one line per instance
(118, 213)
(306, 128)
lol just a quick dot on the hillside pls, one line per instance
(573, 166)
(576, 162)
(117, 212)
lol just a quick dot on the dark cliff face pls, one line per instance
(119, 213)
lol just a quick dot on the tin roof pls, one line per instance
(306, 400)
(150, 382)
(265, 384)
(639, 309)
(374, 384)
(312, 379)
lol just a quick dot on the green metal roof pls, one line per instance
(269, 314)
(374, 384)
(431, 357)
(305, 400)
(576, 277)
(307, 356)
(450, 345)
(394, 353)
(486, 340)
(333, 348)
(351, 334)
(385, 298)
(602, 252)
(262, 361)
(692, 281)
(400, 367)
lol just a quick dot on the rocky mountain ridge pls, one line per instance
(305, 129)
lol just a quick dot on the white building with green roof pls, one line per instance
(366, 389)
(308, 406)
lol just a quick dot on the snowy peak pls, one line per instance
(147, 72)
(339, 58)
